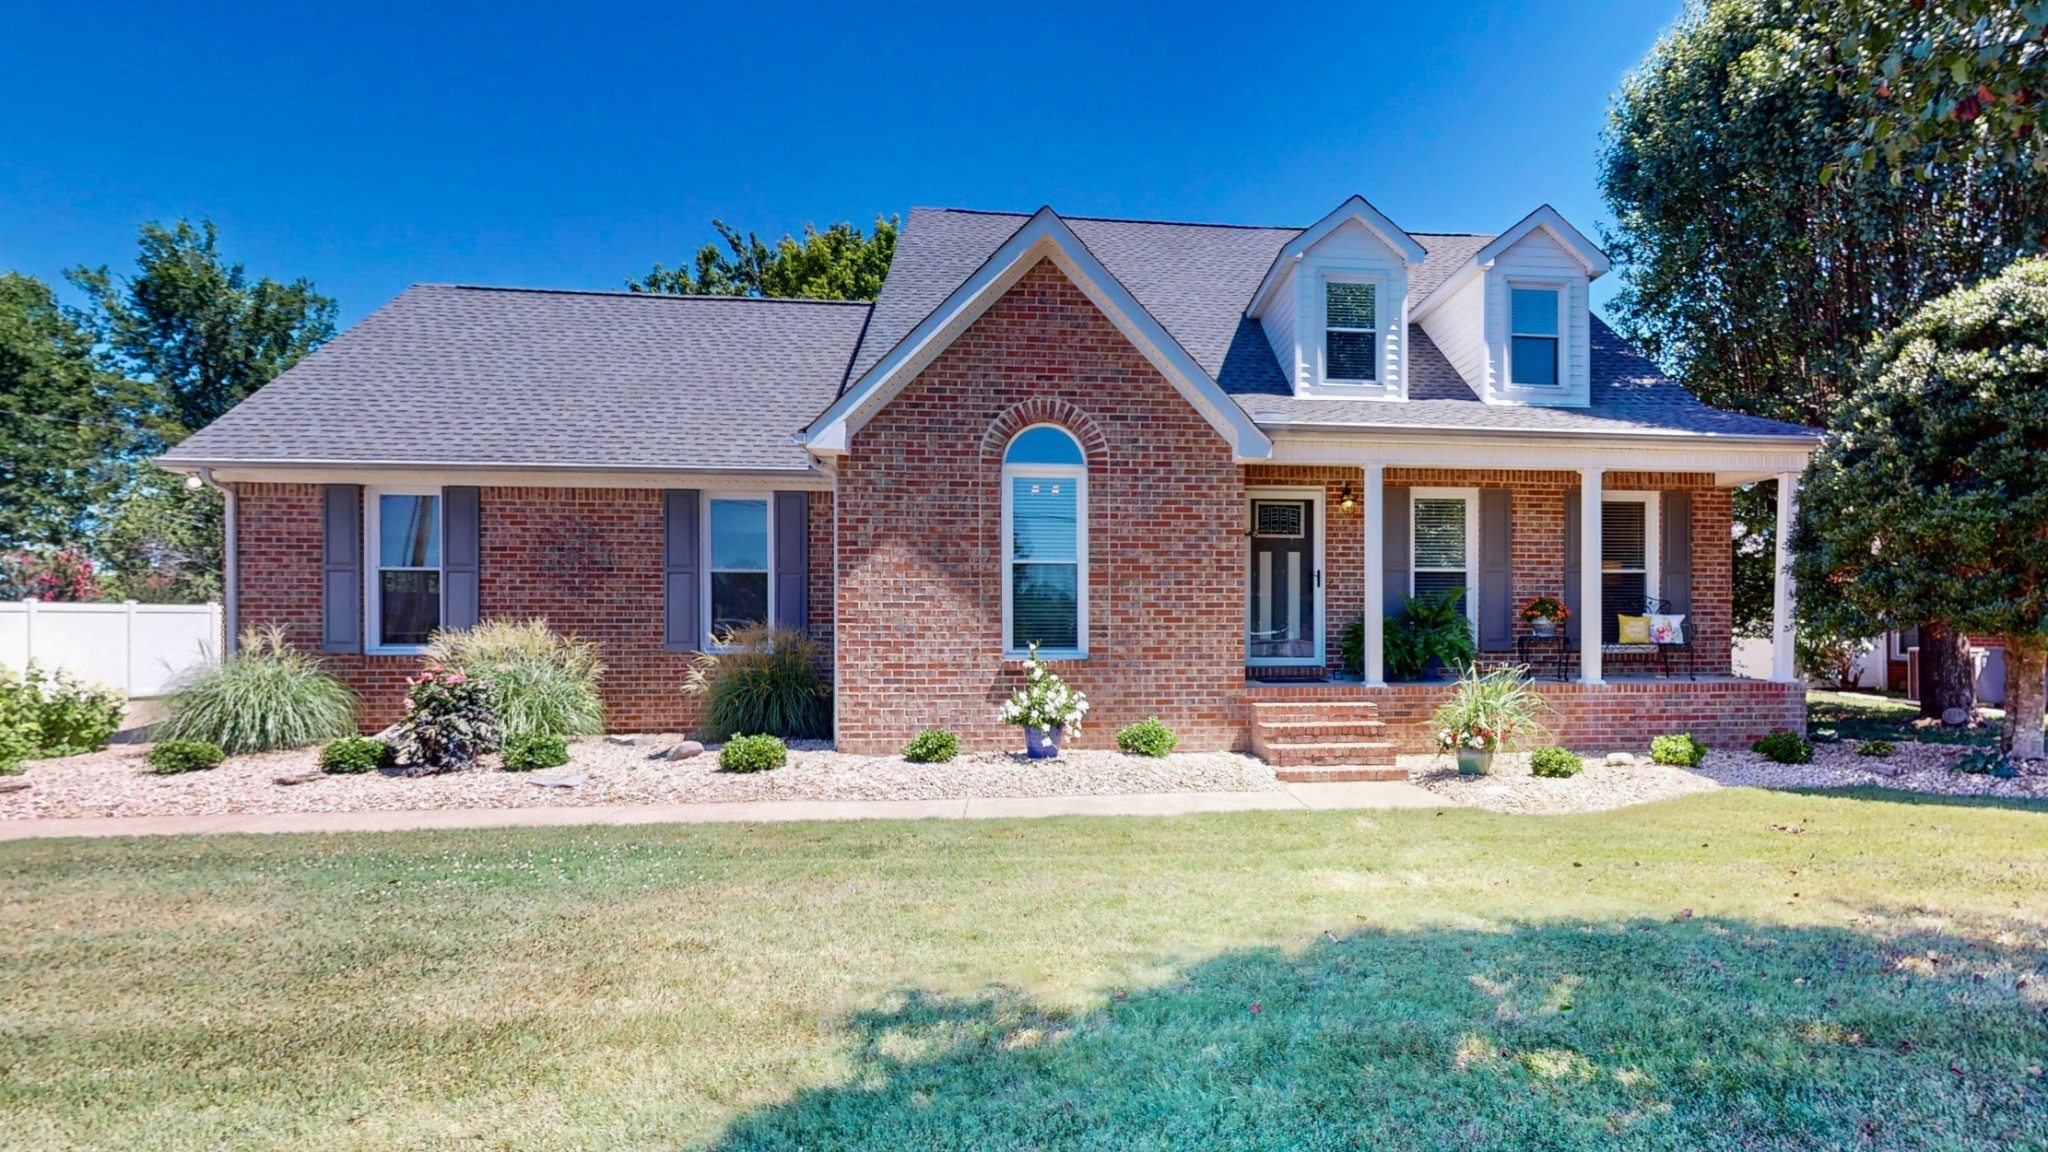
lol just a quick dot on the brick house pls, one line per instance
(1184, 458)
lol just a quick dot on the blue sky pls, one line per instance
(570, 146)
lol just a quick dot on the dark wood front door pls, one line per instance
(1280, 617)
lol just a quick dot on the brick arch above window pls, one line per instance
(1021, 416)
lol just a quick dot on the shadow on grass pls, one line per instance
(1685, 1035)
(1925, 799)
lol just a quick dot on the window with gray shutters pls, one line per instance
(1441, 545)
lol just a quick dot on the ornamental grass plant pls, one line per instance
(544, 683)
(265, 696)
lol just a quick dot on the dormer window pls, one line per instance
(1350, 330)
(1533, 337)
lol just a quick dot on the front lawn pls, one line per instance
(1735, 970)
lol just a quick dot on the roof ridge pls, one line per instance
(647, 295)
(1122, 220)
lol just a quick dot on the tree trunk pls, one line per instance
(1947, 677)
(2026, 669)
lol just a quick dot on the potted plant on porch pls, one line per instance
(1486, 712)
(1045, 708)
(1544, 614)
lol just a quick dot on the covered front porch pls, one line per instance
(1621, 536)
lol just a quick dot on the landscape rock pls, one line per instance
(1622, 759)
(681, 751)
(291, 778)
(15, 785)
(1955, 717)
(632, 739)
(557, 779)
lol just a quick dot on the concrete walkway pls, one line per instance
(1295, 797)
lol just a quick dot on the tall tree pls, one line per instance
(839, 263)
(63, 421)
(1967, 77)
(1930, 501)
(1757, 282)
(197, 327)
(195, 333)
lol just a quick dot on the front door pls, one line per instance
(1283, 614)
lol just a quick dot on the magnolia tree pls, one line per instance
(1930, 501)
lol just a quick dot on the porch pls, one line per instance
(1621, 713)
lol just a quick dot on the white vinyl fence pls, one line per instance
(138, 648)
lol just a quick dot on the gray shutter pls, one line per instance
(793, 560)
(341, 568)
(1496, 568)
(461, 552)
(1676, 587)
(1572, 500)
(681, 630)
(1394, 525)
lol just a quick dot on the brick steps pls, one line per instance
(1323, 738)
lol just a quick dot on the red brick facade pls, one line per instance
(920, 562)
(586, 559)
(906, 573)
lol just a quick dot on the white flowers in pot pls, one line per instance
(1045, 707)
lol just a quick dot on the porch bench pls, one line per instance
(1661, 653)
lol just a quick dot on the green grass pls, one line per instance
(1740, 970)
(1868, 716)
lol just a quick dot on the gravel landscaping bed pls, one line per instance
(1511, 788)
(116, 782)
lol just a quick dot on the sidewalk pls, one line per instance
(1296, 797)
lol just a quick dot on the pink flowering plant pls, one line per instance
(450, 719)
(65, 574)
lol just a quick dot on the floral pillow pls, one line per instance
(1667, 629)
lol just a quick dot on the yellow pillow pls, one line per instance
(1634, 629)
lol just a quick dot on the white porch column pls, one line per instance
(1783, 662)
(1590, 614)
(1374, 511)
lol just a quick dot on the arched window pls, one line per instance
(1045, 543)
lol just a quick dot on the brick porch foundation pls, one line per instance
(1620, 715)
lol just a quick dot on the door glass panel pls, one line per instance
(1280, 616)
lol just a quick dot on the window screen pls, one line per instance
(1624, 564)
(1350, 331)
(1440, 542)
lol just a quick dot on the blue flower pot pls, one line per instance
(1040, 744)
(1475, 761)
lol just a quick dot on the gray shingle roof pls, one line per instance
(464, 376)
(1197, 280)
(506, 377)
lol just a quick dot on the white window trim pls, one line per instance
(1378, 330)
(1316, 497)
(1078, 473)
(1471, 498)
(1653, 538)
(704, 500)
(373, 588)
(1562, 381)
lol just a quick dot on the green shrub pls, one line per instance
(1555, 763)
(1352, 645)
(354, 755)
(266, 696)
(542, 681)
(1986, 762)
(1681, 750)
(1875, 748)
(1147, 738)
(1783, 746)
(74, 717)
(171, 757)
(449, 720)
(763, 679)
(54, 714)
(932, 746)
(21, 732)
(533, 750)
(752, 754)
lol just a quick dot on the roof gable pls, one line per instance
(1043, 237)
(1355, 209)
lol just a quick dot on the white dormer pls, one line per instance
(1335, 305)
(1515, 319)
